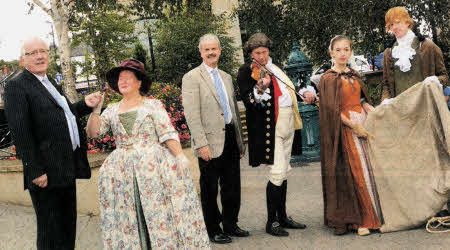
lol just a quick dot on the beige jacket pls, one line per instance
(204, 113)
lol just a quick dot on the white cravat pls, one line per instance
(285, 99)
(404, 52)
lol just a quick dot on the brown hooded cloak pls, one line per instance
(341, 206)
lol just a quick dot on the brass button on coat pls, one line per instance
(268, 112)
(267, 157)
(267, 141)
(268, 119)
(267, 150)
(267, 134)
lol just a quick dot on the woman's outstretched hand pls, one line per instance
(360, 131)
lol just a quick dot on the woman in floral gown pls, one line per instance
(147, 197)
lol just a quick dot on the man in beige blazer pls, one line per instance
(212, 116)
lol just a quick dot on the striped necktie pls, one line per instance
(221, 93)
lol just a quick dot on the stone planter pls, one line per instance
(11, 184)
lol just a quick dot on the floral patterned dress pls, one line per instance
(169, 200)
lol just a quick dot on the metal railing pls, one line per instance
(6, 150)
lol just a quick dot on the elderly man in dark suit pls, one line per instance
(48, 137)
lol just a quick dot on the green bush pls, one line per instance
(176, 39)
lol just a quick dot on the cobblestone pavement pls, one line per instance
(18, 230)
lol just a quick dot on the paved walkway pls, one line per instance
(18, 230)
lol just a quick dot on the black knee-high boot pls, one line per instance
(273, 198)
(272, 203)
(281, 212)
(283, 219)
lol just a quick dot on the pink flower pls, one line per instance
(171, 109)
(169, 114)
(107, 99)
(183, 126)
(114, 144)
(180, 97)
(150, 97)
(105, 88)
(172, 120)
(187, 136)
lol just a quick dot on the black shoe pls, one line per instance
(276, 230)
(291, 224)
(236, 231)
(220, 238)
(443, 213)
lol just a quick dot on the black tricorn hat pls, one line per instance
(132, 65)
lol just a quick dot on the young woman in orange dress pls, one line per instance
(350, 196)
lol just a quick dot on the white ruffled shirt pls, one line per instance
(404, 52)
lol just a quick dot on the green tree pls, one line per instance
(269, 18)
(177, 43)
(140, 54)
(148, 10)
(107, 29)
(314, 23)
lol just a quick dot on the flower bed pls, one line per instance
(169, 95)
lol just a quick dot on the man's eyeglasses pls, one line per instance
(34, 53)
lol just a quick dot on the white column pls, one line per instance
(226, 6)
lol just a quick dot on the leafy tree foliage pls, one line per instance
(269, 18)
(314, 23)
(140, 54)
(107, 28)
(160, 10)
(177, 43)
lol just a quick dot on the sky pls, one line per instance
(16, 26)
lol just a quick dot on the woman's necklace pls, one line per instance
(132, 103)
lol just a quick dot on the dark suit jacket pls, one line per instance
(41, 134)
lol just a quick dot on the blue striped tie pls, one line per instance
(221, 93)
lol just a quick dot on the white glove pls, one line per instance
(433, 79)
(386, 101)
(183, 162)
(307, 89)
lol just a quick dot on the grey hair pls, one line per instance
(207, 37)
(22, 48)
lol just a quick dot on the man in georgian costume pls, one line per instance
(272, 119)
(411, 59)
